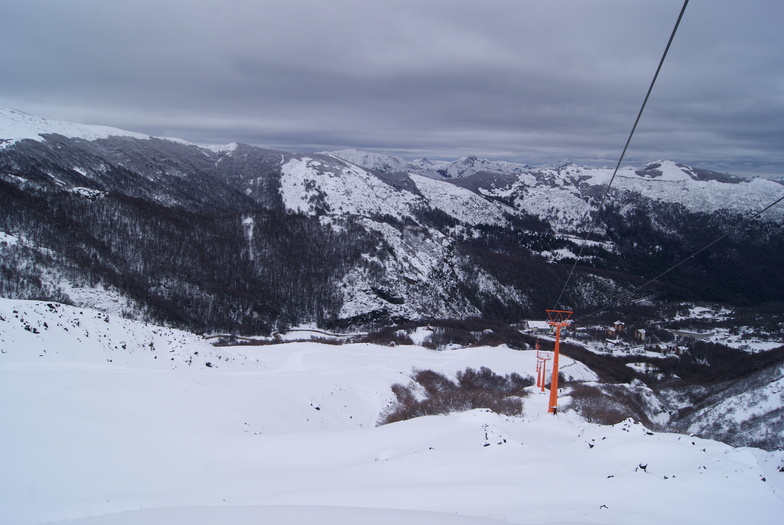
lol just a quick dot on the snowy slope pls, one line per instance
(318, 185)
(16, 126)
(556, 192)
(370, 160)
(560, 196)
(312, 185)
(753, 404)
(679, 184)
(334, 189)
(462, 204)
(105, 435)
(421, 258)
(462, 167)
(744, 412)
(467, 166)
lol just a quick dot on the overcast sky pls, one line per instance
(517, 80)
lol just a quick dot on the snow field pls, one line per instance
(462, 204)
(347, 190)
(16, 126)
(104, 435)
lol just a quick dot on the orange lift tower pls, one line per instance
(541, 366)
(558, 319)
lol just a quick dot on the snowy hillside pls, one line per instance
(557, 192)
(312, 186)
(16, 126)
(250, 240)
(369, 160)
(462, 204)
(462, 167)
(112, 422)
(737, 412)
(329, 186)
(548, 189)
(667, 181)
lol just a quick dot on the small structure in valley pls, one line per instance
(538, 327)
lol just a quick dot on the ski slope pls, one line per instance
(112, 422)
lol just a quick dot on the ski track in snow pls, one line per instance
(113, 422)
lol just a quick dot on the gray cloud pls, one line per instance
(530, 81)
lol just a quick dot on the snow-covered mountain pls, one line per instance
(557, 184)
(111, 419)
(16, 126)
(108, 421)
(750, 410)
(370, 160)
(240, 236)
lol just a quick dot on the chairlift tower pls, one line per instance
(541, 366)
(559, 319)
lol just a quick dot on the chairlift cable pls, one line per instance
(737, 227)
(592, 225)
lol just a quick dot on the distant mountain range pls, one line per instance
(248, 239)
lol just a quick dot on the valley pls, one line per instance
(195, 334)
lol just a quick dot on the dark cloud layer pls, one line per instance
(519, 80)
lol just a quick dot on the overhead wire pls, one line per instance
(737, 227)
(592, 225)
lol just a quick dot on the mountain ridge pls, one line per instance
(244, 240)
(409, 245)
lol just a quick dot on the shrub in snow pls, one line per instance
(609, 404)
(473, 389)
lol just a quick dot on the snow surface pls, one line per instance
(675, 185)
(343, 188)
(373, 161)
(8, 239)
(16, 126)
(746, 338)
(420, 258)
(553, 192)
(464, 205)
(760, 402)
(113, 422)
